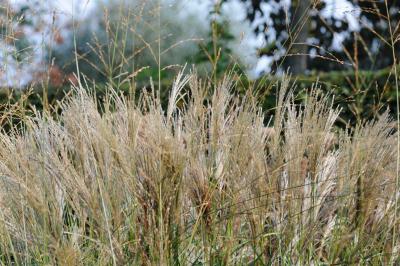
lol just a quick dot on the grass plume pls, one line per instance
(99, 184)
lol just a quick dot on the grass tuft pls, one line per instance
(101, 184)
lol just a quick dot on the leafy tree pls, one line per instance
(375, 49)
(368, 47)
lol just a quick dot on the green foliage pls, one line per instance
(362, 95)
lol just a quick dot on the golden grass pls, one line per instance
(203, 181)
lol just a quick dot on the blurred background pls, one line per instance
(349, 46)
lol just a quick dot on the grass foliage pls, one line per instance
(202, 181)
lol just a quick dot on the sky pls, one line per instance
(190, 12)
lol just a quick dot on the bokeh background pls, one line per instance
(348, 46)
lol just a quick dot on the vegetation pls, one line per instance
(117, 153)
(308, 32)
(201, 181)
(361, 96)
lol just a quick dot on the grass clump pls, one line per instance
(202, 181)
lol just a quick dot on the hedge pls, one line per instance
(361, 95)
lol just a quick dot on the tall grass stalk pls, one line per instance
(393, 42)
